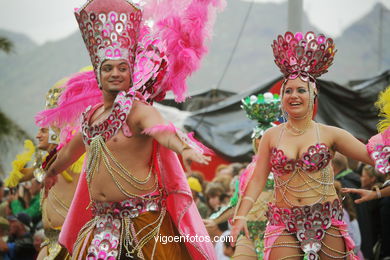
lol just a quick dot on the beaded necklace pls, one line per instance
(322, 185)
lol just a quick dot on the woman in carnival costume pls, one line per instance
(133, 190)
(379, 149)
(305, 219)
(265, 109)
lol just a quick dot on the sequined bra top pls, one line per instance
(316, 158)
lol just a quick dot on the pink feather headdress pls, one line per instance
(184, 31)
(162, 57)
(80, 91)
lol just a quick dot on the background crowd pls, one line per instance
(21, 232)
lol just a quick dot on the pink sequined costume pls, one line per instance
(379, 145)
(160, 59)
(307, 57)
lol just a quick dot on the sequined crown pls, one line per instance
(110, 30)
(52, 97)
(54, 94)
(304, 56)
(264, 108)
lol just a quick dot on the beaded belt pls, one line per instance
(109, 224)
(132, 207)
(53, 247)
(309, 223)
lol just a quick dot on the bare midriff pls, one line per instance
(56, 205)
(133, 154)
(301, 189)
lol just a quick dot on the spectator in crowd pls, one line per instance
(39, 238)
(232, 169)
(222, 169)
(33, 208)
(3, 201)
(20, 242)
(371, 178)
(237, 168)
(225, 181)
(349, 179)
(4, 227)
(343, 174)
(350, 218)
(213, 195)
(200, 176)
(196, 189)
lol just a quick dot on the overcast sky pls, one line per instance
(46, 20)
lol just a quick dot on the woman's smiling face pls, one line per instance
(296, 97)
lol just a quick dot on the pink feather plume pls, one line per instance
(184, 28)
(81, 91)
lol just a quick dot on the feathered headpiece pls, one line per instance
(160, 58)
(109, 35)
(379, 145)
(307, 57)
(52, 98)
(79, 91)
(383, 104)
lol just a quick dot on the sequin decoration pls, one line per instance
(53, 96)
(256, 233)
(381, 157)
(379, 149)
(109, 35)
(316, 157)
(264, 108)
(303, 55)
(150, 66)
(106, 237)
(111, 125)
(308, 223)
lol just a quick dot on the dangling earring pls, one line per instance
(284, 115)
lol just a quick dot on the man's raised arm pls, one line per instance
(65, 158)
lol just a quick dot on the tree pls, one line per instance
(6, 45)
(9, 130)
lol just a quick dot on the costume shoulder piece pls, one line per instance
(379, 145)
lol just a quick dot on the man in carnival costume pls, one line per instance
(56, 204)
(134, 191)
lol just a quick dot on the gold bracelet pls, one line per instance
(240, 217)
(249, 198)
(378, 192)
(185, 147)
